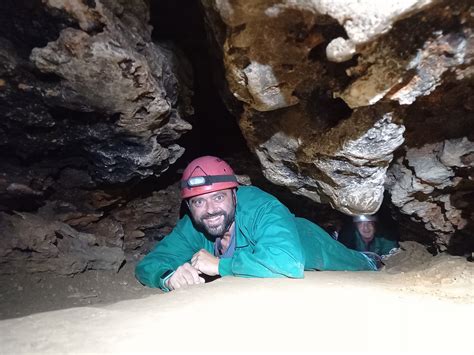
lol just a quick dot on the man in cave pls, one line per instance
(239, 231)
(367, 236)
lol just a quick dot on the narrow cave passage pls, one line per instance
(64, 202)
(215, 129)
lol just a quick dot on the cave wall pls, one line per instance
(342, 103)
(91, 105)
(331, 91)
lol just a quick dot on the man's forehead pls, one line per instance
(211, 194)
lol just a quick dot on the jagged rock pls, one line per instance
(265, 67)
(386, 72)
(110, 65)
(418, 184)
(103, 63)
(457, 153)
(42, 244)
(275, 56)
(425, 161)
(352, 179)
(325, 91)
(88, 99)
(147, 220)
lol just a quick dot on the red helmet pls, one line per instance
(207, 174)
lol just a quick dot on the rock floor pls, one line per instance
(416, 304)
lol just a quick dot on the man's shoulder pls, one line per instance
(185, 223)
(251, 198)
(252, 193)
(385, 239)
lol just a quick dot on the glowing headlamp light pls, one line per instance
(196, 181)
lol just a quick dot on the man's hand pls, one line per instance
(185, 275)
(205, 262)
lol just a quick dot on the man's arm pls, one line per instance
(277, 250)
(185, 275)
(173, 251)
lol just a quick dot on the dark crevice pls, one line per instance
(215, 129)
(31, 25)
(327, 110)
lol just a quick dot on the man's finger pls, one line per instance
(194, 275)
(178, 281)
(172, 285)
(188, 277)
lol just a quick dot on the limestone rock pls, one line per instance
(326, 123)
(352, 178)
(88, 99)
(419, 183)
(133, 91)
(51, 245)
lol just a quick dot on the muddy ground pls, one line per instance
(24, 294)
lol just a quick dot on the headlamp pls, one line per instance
(196, 181)
(364, 218)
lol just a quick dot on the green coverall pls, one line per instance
(379, 245)
(270, 242)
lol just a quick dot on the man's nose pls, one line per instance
(211, 207)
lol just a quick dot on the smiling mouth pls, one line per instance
(213, 220)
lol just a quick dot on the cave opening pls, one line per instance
(86, 198)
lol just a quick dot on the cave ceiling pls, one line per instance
(341, 102)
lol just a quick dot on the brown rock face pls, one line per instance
(342, 102)
(133, 91)
(433, 185)
(90, 104)
(330, 90)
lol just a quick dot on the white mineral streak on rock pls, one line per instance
(263, 86)
(340, 50)
(363, 20)
(430, 64)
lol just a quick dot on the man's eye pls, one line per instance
(219, 198)
(197, 203)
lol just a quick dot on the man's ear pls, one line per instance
(184, 208)
(234, 194)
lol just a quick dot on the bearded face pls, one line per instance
(214, 212)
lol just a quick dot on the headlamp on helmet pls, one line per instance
(364, 218)
(207, 174)
(196, 181)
